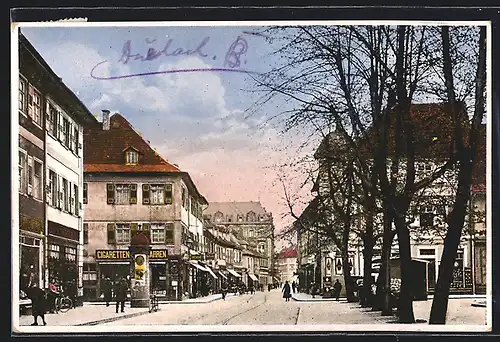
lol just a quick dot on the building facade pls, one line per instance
(51, 123)
(287, 265)
(130, 188)
(251, 224)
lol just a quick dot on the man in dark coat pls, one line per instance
(121, 288)
(337, 287)
(38, 303)
(107, 287)
(287, 291)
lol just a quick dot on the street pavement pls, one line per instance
(261, 308)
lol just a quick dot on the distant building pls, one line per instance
(130, 188)
(287, 265)
(249, 222)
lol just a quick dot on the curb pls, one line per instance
(113, 319)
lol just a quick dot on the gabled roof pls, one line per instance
(235, 208)
(104, 152)
(288, 253)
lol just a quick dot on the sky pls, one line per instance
(199, 120)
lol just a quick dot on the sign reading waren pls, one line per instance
(110, 254)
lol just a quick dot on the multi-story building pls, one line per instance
(427, 214)
(130, 188)
(51, 123)
(250, 223)
(287, 265)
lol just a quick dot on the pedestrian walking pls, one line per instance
(294, 286)
(107, 288)
(224, 291)
(38, 303)
(251, 288)
(268, 287)
(287, 291)
(121, 288)
(337, 287)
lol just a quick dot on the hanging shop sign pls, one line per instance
(124, 255)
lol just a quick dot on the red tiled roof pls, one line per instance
(288, 253)
(104, 149)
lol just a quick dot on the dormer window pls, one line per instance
(131, 156)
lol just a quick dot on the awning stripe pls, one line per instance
(222, 275)
(201, 268)
(253, 277)
(211, 272)
(234, 273)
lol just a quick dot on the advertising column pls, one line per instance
(139, 282)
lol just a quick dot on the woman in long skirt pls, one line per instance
(287, 292)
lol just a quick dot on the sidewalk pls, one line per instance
(93, 313)
(305, 297)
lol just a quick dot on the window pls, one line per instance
(85, 193)
(51, 118)
(37, 180)
(184, 197)
(122, 233)
(54, 251)
(251, 216)
(121, 193)
(70, 253)
(34, 103)
(218, 216)
(427, 251)
(23, 179)
(157, 194)
(53, 194)
(65, 194)
(30, 175)
(132, 157)
(157, 233)
(22, 95)
(85, 233)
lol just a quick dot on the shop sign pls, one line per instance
(63, 231)
(209, 256)
(109, 254)
(198, 257)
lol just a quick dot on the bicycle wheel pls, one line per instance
(57, 304)
(66, 304)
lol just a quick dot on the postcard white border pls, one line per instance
(238, 328)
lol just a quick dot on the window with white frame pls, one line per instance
(51, 118)
(66, 132)
(53, 193)
(157, 233)
(157, 193)
(122, 194)
(37, 179)
(65, 191)
(54, 251)
(70, 253)
(132, 157)
(76, 139)
(23, 178)
(22, 94)
(122, 233)
(34, 105)
(30, 175)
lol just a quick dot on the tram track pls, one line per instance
(227, 320)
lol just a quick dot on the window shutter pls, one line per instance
(48, 188)
(70, 195)
(146, 228)
(169, 234)
(59, 191)
(85, 192)
(133, 193)
(133, 229)
(167, 194)
(145, 193)
(59, 125)
(77, 201)
(70, 136)
(111, 234)
(110, 193)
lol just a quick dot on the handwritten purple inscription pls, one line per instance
(232, 62)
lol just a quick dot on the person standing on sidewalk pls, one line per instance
(287, 291)
(107, 288)
(38, 303)
(294, 287)
(337, 287)
(121, 294)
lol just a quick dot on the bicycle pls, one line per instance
(62, 303)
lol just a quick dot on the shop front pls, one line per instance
(31, 252)
(62, 248)
(116, 264)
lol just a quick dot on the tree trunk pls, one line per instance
(405, 303)
(346, 270)
(386, 257)
(366, 292)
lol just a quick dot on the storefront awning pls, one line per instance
(211, 272)
(276, 279)
(234, 273)
(198, 266)
(222, 275)
(253, 277)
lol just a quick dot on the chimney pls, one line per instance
(105, 120)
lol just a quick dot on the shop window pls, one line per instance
(70, 254)
(54, 251)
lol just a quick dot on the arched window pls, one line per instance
(229, 218)
(240, 218)
(251, 216)
(250, 232)
(218, 216)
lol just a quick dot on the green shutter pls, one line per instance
(169, 234)
(145, 193)
(168, 194)
(111, 193)
(133, 193)
(111, 234)
(133, 229)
